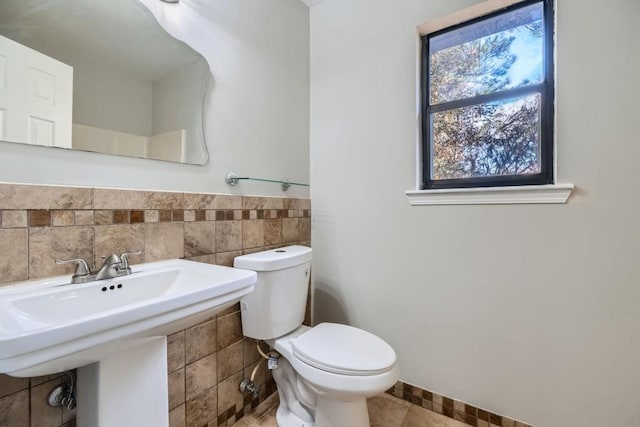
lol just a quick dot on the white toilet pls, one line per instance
(325, 373)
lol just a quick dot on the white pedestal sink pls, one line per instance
(114, 331)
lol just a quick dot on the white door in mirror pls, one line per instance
(43, 117)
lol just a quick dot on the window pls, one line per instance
(487, 99)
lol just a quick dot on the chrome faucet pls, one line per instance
(112, 266)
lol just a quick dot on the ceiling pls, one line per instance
(311, 2)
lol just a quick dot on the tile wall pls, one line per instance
(39, 224)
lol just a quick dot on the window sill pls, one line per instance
(529, 194)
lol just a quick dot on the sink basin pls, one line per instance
(48, 326)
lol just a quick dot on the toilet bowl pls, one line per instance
(325, 373)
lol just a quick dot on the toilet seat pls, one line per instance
(344, 350)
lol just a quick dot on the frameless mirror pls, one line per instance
(100, 76)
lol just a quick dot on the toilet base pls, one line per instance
(285, 418)
(336, 413)
(301, 407)
(329, 413)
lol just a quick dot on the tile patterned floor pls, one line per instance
(384, 411)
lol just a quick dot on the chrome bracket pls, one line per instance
(231, 179)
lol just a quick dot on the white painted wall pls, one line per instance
(258, 108)
(125, 100)
(174, 109)
(529, 311)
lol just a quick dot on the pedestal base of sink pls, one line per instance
(126, 389)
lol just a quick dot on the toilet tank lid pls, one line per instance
(274, 259)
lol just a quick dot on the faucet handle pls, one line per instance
(125, 257)
(82, 269)
(112, 259)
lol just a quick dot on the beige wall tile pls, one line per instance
(176, 388)
(84, 217)
(229, 329)
(291, 204)
(226, 258)
(230, 360)
(201, 376)
(224, 201)
(250, 351)
(106, 198)
(14, 219)
(116, 239)
(9, 385)
(304, 229)
(18, 196)
(201, 341)
(43, 415)
(199, 238)
(177, 417)
(199, 201)
(231, 309)
(251, 202)
(164, 241)
(14, 261)
(43, 379)
(290, 230)
(60, 218)
(210, 215)
(151, 216)
(103, 217)
(228, 235)
(207, 259)
(189, 215)
(163, 200)
(253, 233)
(176, 351)
(297, 204)
(14, 409)
(50, 243)
(229, 394)
(272, 231)
(202, 409)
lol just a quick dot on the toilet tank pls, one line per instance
(277, 304)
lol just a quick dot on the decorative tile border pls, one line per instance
(62, 218)
(451, 408)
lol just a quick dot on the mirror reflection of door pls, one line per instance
(36, 96)
(99, 76)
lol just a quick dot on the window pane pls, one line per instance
(493, 139)
(498, 53)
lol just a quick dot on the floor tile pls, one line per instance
(420, 417)
(384, 411)
(387, 411)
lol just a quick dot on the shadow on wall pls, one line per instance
(328, 306)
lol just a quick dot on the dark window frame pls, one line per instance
(545, 89)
